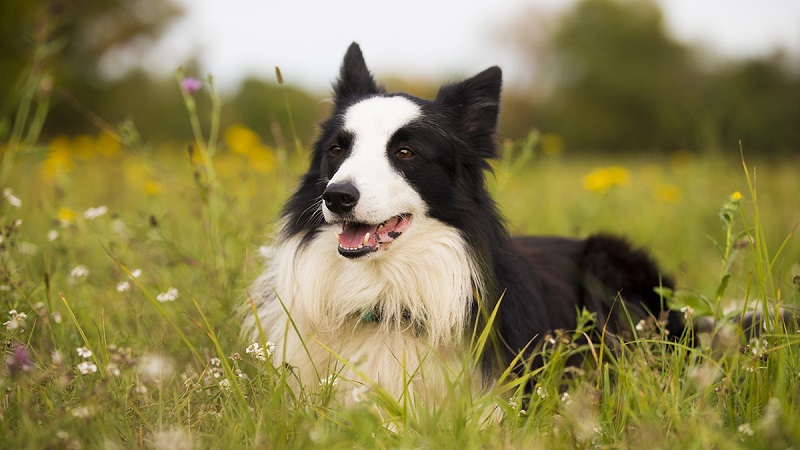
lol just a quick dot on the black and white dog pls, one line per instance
(391, 254)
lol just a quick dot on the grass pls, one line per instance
(167, 370)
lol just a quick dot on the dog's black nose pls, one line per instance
(341, 198)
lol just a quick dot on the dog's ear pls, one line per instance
(355, 81)
(475, 102)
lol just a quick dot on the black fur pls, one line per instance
(543, 281)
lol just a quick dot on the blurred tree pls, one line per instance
(85, 41)
(622, 82)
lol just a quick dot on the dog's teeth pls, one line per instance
(366, 239)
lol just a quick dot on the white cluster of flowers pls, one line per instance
(78, 272)
(259, 352)
(168, 296)
(95, 212)
(12, 199)
(16, 321)
(85, 367)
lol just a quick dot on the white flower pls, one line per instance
(136, 273)
(79, 272)
(541, 392)
(17, 320)
(81, 412)
(330, 380)
(641, 325)
(156, 368)
(168, 296)
(123, 286)
(566, 399)
(13, 200)
(112, 369)
(745, 429)
(688, 312)
(95, 212)
(52, 235)
(215, 362)
(84, 353)
(259, 352)
(86, 367)
(225, 384)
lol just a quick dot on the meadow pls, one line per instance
(124, 266)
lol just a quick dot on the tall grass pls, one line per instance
(149, 285)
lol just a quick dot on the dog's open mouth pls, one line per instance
(359, 239)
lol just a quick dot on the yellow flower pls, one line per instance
(262, 159)
(736, 197)
(107, 144)
(58, 161)
(602, 179)
(66, 215)
(668, 193)
(552, 144)
(241, 139)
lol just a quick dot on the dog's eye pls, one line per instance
(404, 153)
(335, 150)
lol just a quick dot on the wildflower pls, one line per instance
(168, 296)
(56, 357)
(123, 286)
(745, 429)
(225, 384)
(136, 273)
(95, 212)
(236, 357)
(330, 380)
(173, 440)
(65, 217)
(12, 199)
(640, 326)
(566, 399)
(81, 412)
(16, 321)
(156, 368)
(19, 360)
(84, 353)
(191, 85)
(86, 367)
(216, 362)
(112, 369)
(602, 179)
(688, 312)
(259, 352)
(541, 392)
(79, 272)
(52, 235)
(736, 197)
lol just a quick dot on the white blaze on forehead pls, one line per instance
(384, 192)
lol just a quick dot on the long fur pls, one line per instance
(401, 312)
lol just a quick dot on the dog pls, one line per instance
(391, 255)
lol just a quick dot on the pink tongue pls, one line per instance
(353, 234)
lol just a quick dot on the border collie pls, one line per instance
(391, 254)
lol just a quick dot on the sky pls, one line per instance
(443, 39)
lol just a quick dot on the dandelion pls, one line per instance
(191, 85)
(95, 212)
(86, 367)
(12, 199)
(65, 217)
(78, 272)
(84, 353)
(168, 296)
(123, 286)
(602, 179)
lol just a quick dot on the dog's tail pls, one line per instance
(616, 271)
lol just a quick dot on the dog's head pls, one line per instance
(385, 161)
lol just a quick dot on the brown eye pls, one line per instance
(404, 153)
(335, 150)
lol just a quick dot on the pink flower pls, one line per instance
(191, 85)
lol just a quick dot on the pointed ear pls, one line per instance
(476, 104)
(354, 78)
